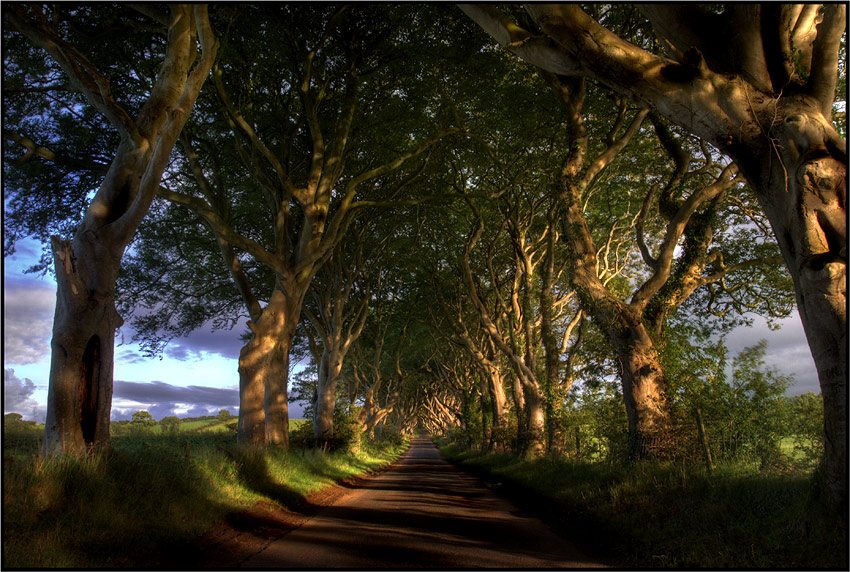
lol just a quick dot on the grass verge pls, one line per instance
(151, 495)
(672, 516)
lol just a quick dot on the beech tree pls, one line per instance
(307, 181)
(85, 320)
(765, 99)
(691, 205)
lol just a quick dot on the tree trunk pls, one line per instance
(801, 183)
(82, 349)
(535, 444)
(329, 370)
(644, 389)
(499, 400)
(642, 376)
(519, 411)
(551, 348)
(264, 374)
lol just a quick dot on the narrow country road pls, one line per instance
(421, 513)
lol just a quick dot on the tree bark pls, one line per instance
(329, 370)
(264, 372)
(804, 195)
(79, 398)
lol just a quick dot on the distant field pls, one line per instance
(32, 432)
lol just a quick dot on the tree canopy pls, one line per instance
(454, 238)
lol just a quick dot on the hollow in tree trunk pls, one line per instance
(84, 324)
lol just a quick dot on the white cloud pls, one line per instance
(28, 306)
(17, 394)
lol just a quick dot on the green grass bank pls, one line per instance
(152, 494)
(665, 515)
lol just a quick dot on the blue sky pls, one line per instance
(195, 375)
(198, 375)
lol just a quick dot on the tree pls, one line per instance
(170, 424)
(336, 323)
(759, 403)
(80, 383)
(765, 100)
(143, 418)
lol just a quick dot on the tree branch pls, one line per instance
(203, 210)
(81, 73)
(824, 75)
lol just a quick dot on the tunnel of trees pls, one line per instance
(535, 246)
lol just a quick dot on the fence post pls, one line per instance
(702, 440)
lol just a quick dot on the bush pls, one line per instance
(346, 435)
(170, 424)
(388, 436)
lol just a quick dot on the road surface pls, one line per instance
(421, 513)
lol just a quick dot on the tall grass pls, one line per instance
(150, 496)
(653, 514)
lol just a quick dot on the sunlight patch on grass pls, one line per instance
(150, 493)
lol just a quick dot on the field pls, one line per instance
(152, 495)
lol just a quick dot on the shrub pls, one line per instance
(170, 424)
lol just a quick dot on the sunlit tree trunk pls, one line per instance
(264, 371)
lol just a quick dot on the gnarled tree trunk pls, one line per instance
(801, 183)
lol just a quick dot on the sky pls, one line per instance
(198, 375)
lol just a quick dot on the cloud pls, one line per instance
(226, 343)
(129, 356)
(159, 393)
(194, 347)
(162, 399)
(17, 394)
(28, 306)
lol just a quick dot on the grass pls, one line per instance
(152, 495)
(675, 516)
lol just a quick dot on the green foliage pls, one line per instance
(593, 425)
(807, 427)
(170, 424)
(143, 418)
(21, 437)
(347, 435)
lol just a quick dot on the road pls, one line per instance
(421, 513)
